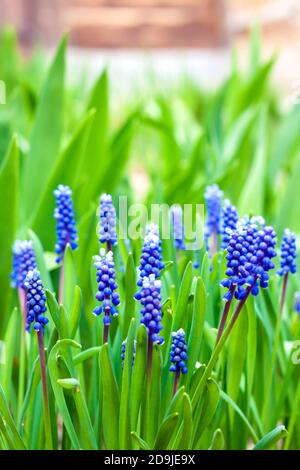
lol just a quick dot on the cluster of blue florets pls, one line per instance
(107, 230)
(24, 260)
(151, 257)
(150, 298)
(66, 232)
(107, 286)
(178, 353)
(35, 301)
(288, 254)
(213, 197)
(250, 251)
(229, 222)
(177, 223)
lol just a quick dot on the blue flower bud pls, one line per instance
(66, 232)
(151, 258)
(229, 222)
(107, 230)
(24, 260)
(288, 254)
(213, 197)
(178, 230)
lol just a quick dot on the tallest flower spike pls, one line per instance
(151, 258)
(66, 232)
(213, 198)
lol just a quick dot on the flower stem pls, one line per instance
(225, 314)
(220, 344)
(276, 341)
(108, 245)
(105, 333)
(176, 381)
(48, 431)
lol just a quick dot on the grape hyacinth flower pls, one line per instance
(250, 251)
(35, 301)
(24, 260)
(288, 255)
(229, 222)
(107, 230)
(178, 230)
(178, 356)
(297, 302)
(213, 197)
(107, 287)
(151, 257)
(150, 298)
(36, 308)
(66, 232)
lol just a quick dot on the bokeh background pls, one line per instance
(168, 34)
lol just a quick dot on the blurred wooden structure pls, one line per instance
(120, 23)
(147, 23)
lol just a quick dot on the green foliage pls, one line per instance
(178, 142)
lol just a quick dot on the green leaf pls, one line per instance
(69, 383)
(95, 162)
(217, 442)
(196, 332)
(75, 312)
(270, 439)
(9, 351)
(44, 145)
(61, 346)
(211, 400)
(9, 195)
(6, 415)
(53, 308)
(138, 375)
(69, 276)
(130, 289)
(85, 355)
(184, 439)
(126, 392)
(141, 443)
(183, 296)
(166, 431)
(73, 154)
(237, 409)
(111, 401)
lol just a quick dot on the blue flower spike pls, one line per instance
(213, 198)
(107, 227)
(178, 229)
(229, 222)
(35, 301)
(288, 254)
(24, 260)
(151, 257)
(178, 356)
(150, 298)
(66, 232)
(107, 293)
(250, 251)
